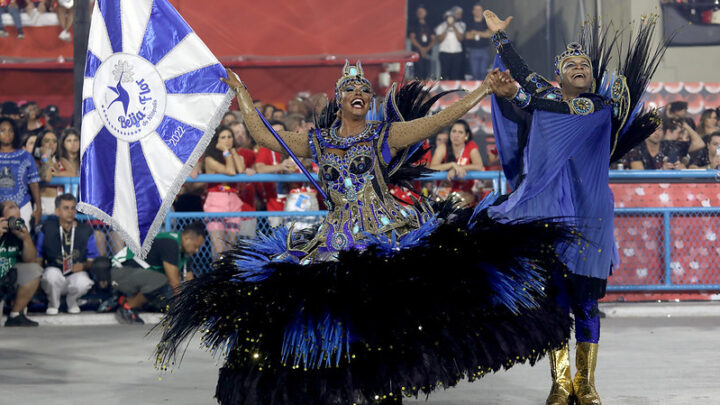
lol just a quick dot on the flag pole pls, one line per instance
(292, 156)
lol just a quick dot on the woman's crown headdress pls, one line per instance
(350, 73)
(573, 50)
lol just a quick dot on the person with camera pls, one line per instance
(141, 281)
(67, 248)
(450, 35)
(17, 255)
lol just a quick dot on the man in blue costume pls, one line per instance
(556, 145)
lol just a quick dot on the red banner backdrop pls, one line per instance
(277, 47)
(260, 28)
(297, 28)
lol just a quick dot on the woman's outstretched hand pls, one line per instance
(494, 22)
(233, 81)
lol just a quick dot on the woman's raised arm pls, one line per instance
(404, 134)
(297, 142)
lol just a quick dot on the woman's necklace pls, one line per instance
(345, 142)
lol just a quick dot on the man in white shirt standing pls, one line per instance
(449, 35)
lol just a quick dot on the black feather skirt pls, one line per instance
(461, 297)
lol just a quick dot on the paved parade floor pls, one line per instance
(642, 361)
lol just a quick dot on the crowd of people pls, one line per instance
(463, 45)
(48, 254)
(35, 9)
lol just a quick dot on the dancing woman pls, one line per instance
(556, 145)
(382, 300)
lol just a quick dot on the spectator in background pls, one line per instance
(267, 111)
(228, 118)
(295, 123)
(708, 122)
(11, 7)
(317, 103)
(457, 158)
(221, 157)
(190, 197)
(52, 116)
(461, 155)
(268, 161)
(17, 251)
(246, 148)
(19, 178)
(477, 41)
(34, 9)
(422, 40)
(440, 140)
(34, 121)
(27, 142)
(11, 110)
(141, 281)
(69, 151)
(458, 12)
(678, 109)
(648, 155)
(47, 159)
(679, 139)
(298, 105)
(258, 104)
(67, 248)
(278, 114)
(65, 15)
(450, 35)
(244, 143)
(708, 157)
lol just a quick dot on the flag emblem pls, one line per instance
(151, 101)
(133, 105)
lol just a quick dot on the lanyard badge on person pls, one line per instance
(460, 159)
(67, 257)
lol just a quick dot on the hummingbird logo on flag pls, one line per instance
(151, 101)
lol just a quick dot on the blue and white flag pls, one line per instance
(151, 101)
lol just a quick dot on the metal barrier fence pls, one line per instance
(660, 248)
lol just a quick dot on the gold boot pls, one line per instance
(562, 387)
(584, 382)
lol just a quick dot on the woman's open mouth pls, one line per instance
(357, 102)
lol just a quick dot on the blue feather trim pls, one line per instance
(311, 345)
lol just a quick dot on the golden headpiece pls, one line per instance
(350, 73)
(573, 50)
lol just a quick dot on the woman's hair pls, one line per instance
(5, 205)
(24, 139)
(450, 156)
(266, 106)
(212, 150)
(16, 136)
(434, 139)
(703, 117)
(62, 152)
(38, 144)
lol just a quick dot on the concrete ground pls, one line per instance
(648, 360)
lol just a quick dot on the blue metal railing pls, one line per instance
(71, 185)
(616, 176)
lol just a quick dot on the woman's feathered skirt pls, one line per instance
(458, 298)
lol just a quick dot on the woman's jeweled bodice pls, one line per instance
(353, 171)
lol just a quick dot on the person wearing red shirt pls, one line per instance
(245, 148)
(459, 157)
(221, 157)
(267, 161)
